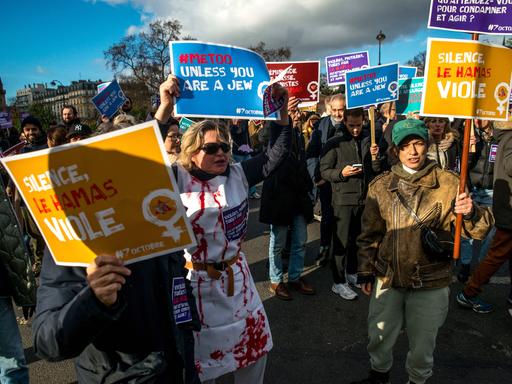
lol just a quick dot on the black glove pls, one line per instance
(28, 311)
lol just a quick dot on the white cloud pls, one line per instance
(99, 61)
(41, 70)
(311, 28)
(133, 30)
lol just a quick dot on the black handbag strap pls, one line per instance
(409, 209)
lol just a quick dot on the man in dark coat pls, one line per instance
(481, 171)
(347, 165)
(69, 116)
(117, 321)
(501, 246)
(326, 128)
(286, 204)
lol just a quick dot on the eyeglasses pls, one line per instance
(213, 148)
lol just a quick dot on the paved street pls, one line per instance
(322, 339)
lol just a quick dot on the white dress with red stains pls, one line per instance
(234, 330)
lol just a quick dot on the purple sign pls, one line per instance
(181, 309)
(337, 65)
(5, 120)
(493, 17)
(493, 152)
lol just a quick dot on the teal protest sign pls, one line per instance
(185, 123)
(409, 95)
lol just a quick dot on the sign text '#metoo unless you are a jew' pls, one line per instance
(85, 208)
(219, 80)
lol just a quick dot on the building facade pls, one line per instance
(25, 96)
(78, 93)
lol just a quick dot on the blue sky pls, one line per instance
(58, 39)
(64, 39)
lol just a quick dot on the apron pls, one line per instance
(234, 330)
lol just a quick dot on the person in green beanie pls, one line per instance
(406, 280)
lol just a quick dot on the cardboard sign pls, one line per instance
(493, 152)
(5, 120)
(181, 309)
(14, 150)
(467, 79)
(301, 79)
(405, 72)
(185, 123)
(100, 87)
(110, 99)
(271, 103)
(103, 195)
(493, 17)
(218, 80)
(338, 65)
(372, 85)
(409, 95)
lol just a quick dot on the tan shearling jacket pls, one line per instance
(390, 242)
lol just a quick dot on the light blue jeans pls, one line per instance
(483, 198)
(13, 367)
(299, 236)
(239, 159)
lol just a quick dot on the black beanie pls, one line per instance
(31, 120)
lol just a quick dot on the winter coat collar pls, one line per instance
(425, 177)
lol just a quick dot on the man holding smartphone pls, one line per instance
(347, 164)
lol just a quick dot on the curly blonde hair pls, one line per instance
(193, 139)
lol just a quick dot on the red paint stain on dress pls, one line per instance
(220, 222)
(217, 355)
(202, 247)
(253, 341)
(199, 370)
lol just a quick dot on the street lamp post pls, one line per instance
(380, 38)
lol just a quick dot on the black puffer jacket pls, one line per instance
(286, 192)
(16, 277)
(136, 341)
(481, 162)
(502, 196)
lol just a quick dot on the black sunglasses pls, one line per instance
(213, 148)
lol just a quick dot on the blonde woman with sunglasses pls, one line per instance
(235, 334)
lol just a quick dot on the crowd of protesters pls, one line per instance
(379, 198)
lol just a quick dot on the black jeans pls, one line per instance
(348, 227)
(327, 222)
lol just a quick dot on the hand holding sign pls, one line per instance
(293, 104)
(169, 89)
(106, 276)
(272, 100)
(281, 93)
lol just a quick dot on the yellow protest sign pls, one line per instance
(112, 194)
(467, 79)
(309, 108)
